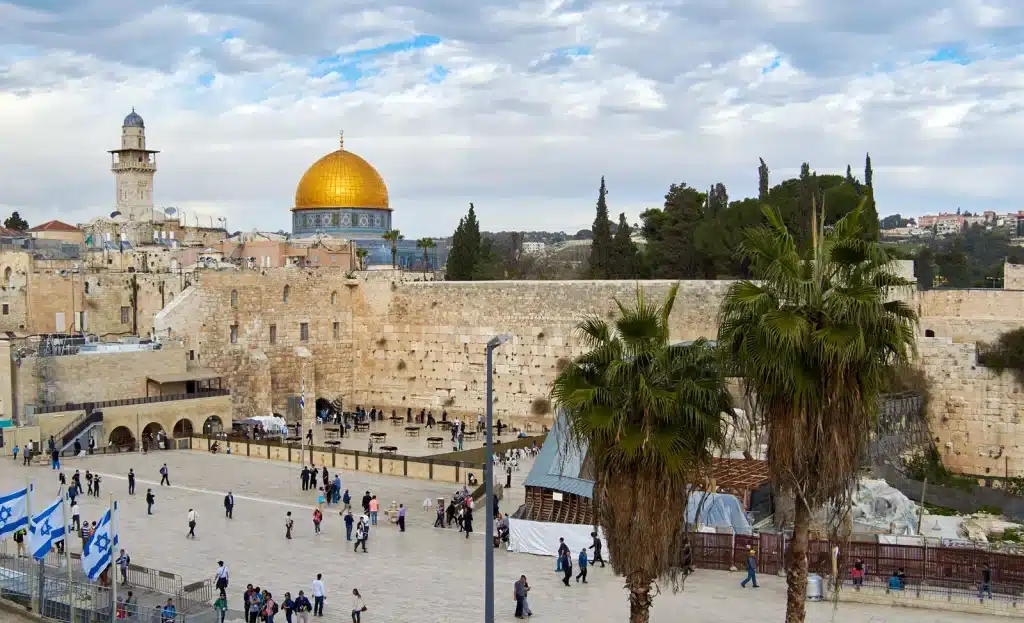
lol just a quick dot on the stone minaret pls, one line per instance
(134, 166)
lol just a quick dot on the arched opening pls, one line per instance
(182, 428)
(287, 291)
(234, 299)
(7, 276)
(153, 436)
(122, 436)
(334, 297)
(173, 264)
(213, 425)
(929, 333)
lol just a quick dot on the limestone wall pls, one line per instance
(970, 315)
(398, 345)
(15, 271)
(96, 377)
(976, 416)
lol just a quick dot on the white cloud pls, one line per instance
(653, 92)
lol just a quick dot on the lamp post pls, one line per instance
(493, 343)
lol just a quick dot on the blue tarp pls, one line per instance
(717, 510)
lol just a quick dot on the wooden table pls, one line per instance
(445, 425)
(435, 442)
(362, 426)
(333, 443)
(332, 432)
(469, 435)
(397, 421)
(389, 449)
(378, 436)
(412, 431)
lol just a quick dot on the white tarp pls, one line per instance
(541, 538)
(271, 424)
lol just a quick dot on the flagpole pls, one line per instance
(113, 567)
(25, 540)
(67, 551)
(302, 422)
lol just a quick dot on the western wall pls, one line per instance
(394, 344)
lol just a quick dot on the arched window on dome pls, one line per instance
(287, 291)
(234, 299)
(334, 297)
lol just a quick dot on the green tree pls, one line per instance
(464, 256)
(361, 254)
(669, 232)
(868, 173)
(426, 244)
(601, 246)
(15, 222)
(762, 180)
(849, 176)
(924, 268)
(649, 414)
(393, 236)
(816, 338)
(624, 253)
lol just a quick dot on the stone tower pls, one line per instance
(134, 166)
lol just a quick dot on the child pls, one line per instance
(317, 518)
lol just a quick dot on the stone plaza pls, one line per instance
(425, 575)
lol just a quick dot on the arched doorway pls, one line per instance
(122, 436)
(213, 425)
(183, 428)
(152, 435)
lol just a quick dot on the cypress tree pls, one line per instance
(624, 253)
(464, 256)
(601, 246)
(762, 181)
(849, 175)
(867, 170)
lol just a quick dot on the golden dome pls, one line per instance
(341, 179)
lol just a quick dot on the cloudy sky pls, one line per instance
(519, 107)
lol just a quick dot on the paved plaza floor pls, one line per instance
(425, 575)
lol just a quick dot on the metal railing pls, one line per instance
(81, 406)
(994, 596)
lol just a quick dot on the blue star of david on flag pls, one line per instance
(47, 529)
(98, 552)
(13, 512)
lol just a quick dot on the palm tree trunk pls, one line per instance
(639, 600)
(796, 575)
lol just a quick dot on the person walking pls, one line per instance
(122, 563)
(597, 549)
(519, 592)
(317, 518)
(439, 522)
(582, 560)
(220, 578)
(349, 520)
(229, 505)
(566, 563)
(361, 533)
(150, 499)
(220, 607)
(165, 476)
(302, 608)
(986, 583)
(358, 607)
(191, 523)
(751, 570)
(467, 521)
(131, 482)
(346, 499)
(288, 524)
(318, 596)
(401, 518)
(76, 518)
(374, 507)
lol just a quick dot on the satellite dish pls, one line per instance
(115, 214)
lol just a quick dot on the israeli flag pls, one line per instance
(47, 528)
(13, 512)
(302, 396)
(97, 553)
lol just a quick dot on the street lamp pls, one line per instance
(493, 343)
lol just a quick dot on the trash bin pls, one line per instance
(814, 589)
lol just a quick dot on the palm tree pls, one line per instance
(426, 244)
(361, 256)
(393, 235)
(649, 413)
(815, 337)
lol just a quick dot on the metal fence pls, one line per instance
(994, 596)
(925, 565)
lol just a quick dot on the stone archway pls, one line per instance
(182, 428)
(213, 425)
(152, 433)
(122, 436)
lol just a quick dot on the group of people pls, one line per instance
(260, 605)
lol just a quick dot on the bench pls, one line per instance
(362, 426)
(389, 449)
(435, 442)
(412, 431)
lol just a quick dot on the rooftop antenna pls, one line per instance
(341, 139)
